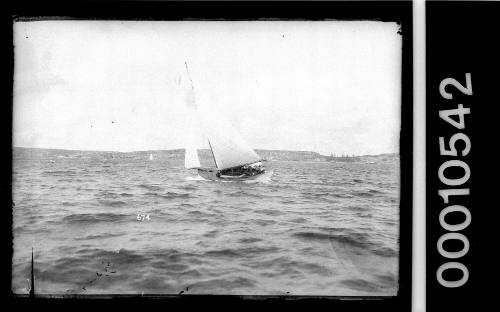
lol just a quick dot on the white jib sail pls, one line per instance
(228, 147)
(232, 152)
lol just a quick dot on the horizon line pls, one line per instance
(172, 149)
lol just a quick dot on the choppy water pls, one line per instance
(315, 228)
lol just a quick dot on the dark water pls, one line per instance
(314, 228)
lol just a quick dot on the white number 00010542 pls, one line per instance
(449, 148)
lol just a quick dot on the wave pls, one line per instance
(31, 230)
(386, 252)
(354, 239)
(96, 217)
(112, 203)
(264, 178)
(100, 236)
(198, 213)
(361, 285)
(341, 195)
(167, 266)
(298, 220)
(197, 178)
(189, 187)
(223, 253)
(286, 266)
(240, 252)
(175, 195)
(249, 240)
(357, 208)
(149, 187)
(318, 194)
(386, 279)
(58, 172)
(262, 222)
(243, 193)
(363, 214)
(362, 194)
(169, 195)
(368, 193)
(270, 212)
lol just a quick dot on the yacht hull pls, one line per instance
(211, 174)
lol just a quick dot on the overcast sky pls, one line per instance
(328, 87)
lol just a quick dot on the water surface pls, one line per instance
(314, 228)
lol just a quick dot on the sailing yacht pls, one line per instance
(234, 159)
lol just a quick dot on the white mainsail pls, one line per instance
(191, 159)
(229, 149)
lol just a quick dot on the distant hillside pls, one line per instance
(290, 155)
(205, 155)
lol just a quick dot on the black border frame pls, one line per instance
(460, 38)
(398, 11)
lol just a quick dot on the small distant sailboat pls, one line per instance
(150, 157)
(234, 159)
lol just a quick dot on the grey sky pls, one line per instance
(329, 87)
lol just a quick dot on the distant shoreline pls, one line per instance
(270, 155)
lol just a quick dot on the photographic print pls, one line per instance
(257, 157)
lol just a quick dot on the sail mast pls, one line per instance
(212, 154)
